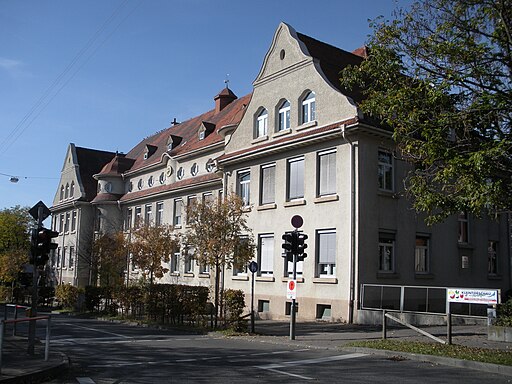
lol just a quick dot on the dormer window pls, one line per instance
(201, 135)
(205, 129)
(173, 141)
(150, 149)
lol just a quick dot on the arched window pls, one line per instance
(284, 116)
(72, 189)
(66, 195)
(308, 108)
(62, 192)
(261, 123)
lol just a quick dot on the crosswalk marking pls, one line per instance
(85, 380)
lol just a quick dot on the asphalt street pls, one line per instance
(105, 352)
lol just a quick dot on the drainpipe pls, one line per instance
(352, 265)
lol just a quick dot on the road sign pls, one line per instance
(291, 289)
(34, 211)
(253, 266)
(297, 221)
(473, 296)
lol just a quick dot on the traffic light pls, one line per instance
(290, 245)
(42, 245)
(301, 246)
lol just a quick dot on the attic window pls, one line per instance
(201, 135)
(150, 149)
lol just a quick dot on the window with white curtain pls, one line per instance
(326, 246)
(268, 184)
(295, 185)
(266, 255)
(326, 173)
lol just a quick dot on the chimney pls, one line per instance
(224, 97)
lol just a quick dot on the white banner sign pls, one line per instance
(473, 296)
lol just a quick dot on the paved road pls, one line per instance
(103, 352)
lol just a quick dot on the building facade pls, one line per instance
(297, 145)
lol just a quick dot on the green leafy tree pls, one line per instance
(152, 247)
(15, 226)
(439, 75)
(220, 237)
(110, 255)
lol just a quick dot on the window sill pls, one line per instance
(266, 207)
(282, 133)
(325, 280)
(188, 274)
(286, 279)
(325, 199)
(265, 278)
(204, 275)
(419, 275)
(259, 139)
(175, 273)
(307, 125)
(494, 277)
(294, 203)
(388, 193)
(388, 275)
(240, 278)
(177, 226)
(464, 245)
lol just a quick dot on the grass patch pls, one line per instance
(484, 355)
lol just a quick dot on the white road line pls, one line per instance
(185, 360)
(289, 374)
(311, 361)
(211, 358)
(85, 380)
(98, 330)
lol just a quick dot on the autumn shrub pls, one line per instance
(67, 295)
(5, 294)
(504, 314)
(234, 302)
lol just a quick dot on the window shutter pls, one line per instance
(327, 254)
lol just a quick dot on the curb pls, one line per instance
(41, 375)
(458, 363)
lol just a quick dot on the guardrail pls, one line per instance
(16, 308)
(27, 319)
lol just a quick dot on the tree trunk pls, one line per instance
(217, 269)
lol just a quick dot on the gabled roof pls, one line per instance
(90, 162)
(332, 60)
(188, 132)
(115, 167)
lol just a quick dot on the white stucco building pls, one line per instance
(297, 145)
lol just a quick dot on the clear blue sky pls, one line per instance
(104, 74)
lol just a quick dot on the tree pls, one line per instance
(110, 254)
(151, 247)
(220, 237)
(14, 243)
(439, 75)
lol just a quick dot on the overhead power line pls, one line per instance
(78, 61)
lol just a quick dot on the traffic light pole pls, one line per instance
(292, 315)
(35, 278)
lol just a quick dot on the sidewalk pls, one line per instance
(19, 367)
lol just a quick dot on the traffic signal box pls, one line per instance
(42, 245)
(295, 244)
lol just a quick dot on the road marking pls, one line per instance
(85, 380)
(284, 364)
(290, 374)
(98, 330)
(312, 361)
(185, 360)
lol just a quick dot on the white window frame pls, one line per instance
(262, 123)
(386, 243)
(309, 107)
(159, 213)
(244, 185)
(326, 172)
(422, 255)
(129, 219)
(268, 185)
(174, 266)
(71, 257)
(148, 213)
(293, 183)
(385, 169)
(266, 245)
(284, 116)
(326, 249)
(74, 216)
(177, 218)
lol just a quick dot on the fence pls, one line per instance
(415, 299)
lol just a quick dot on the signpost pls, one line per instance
(253, 267)
(294, 246)
(468, 296)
